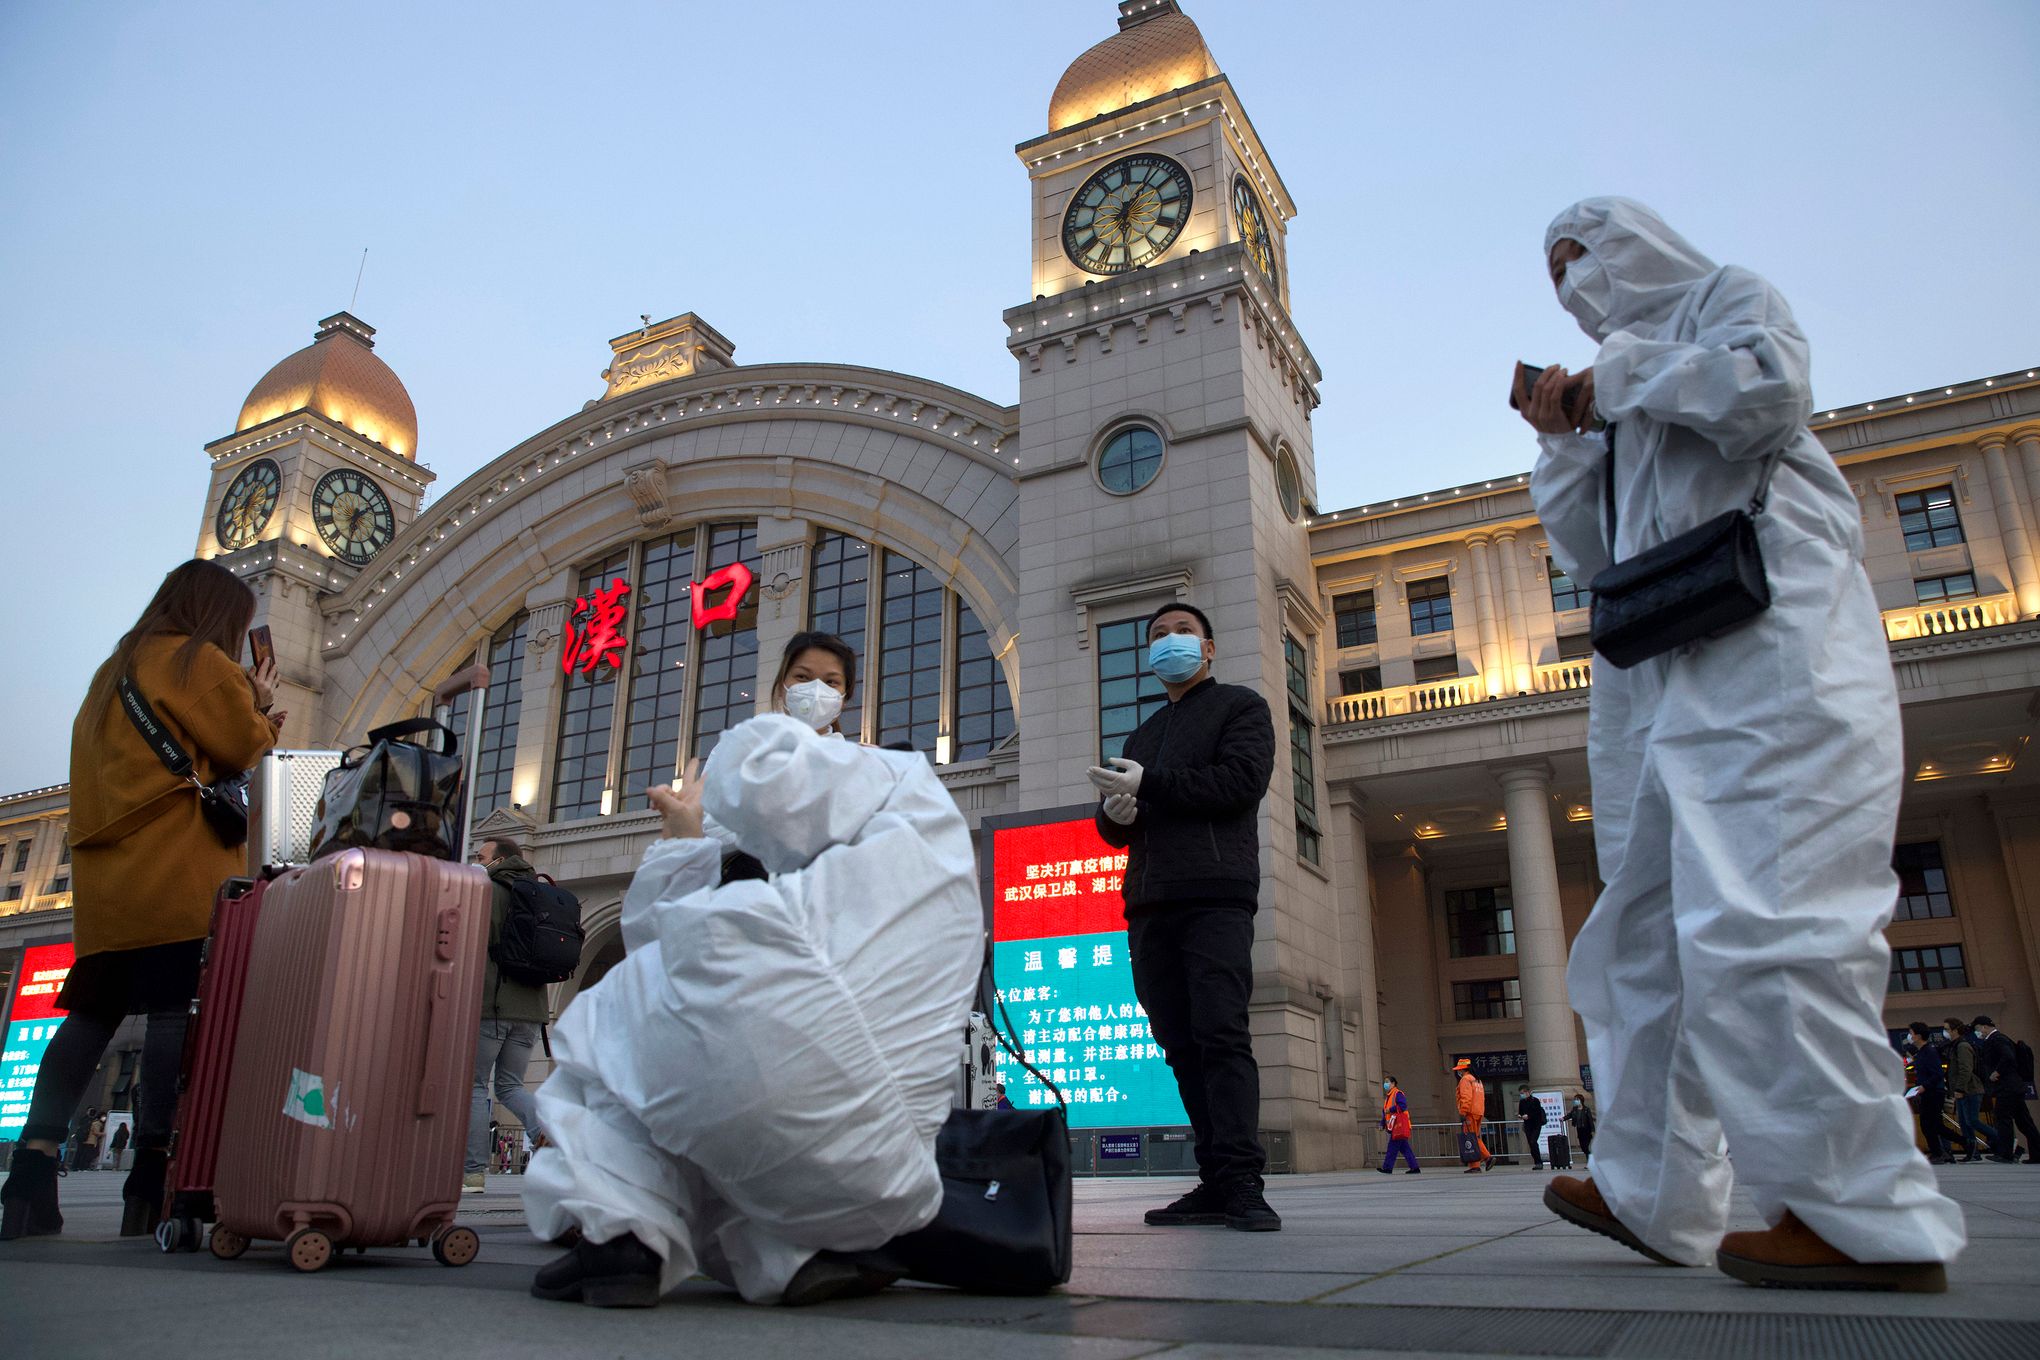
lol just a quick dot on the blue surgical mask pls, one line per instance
(1175, 657)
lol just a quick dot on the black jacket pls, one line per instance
(1581, 1117)
(1206, 760)
(1532, 1111)
(1928, 1072)
(1997, 1062)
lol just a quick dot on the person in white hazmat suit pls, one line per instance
(758, 1085)
(1745, 792)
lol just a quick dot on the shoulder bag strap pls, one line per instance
(1001, 1031)
(1757, 501)
(1771, 461)
(153, 732)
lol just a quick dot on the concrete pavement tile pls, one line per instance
(1232, 1286)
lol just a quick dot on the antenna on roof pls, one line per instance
(357, 279)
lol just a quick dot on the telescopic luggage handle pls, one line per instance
(473, 678)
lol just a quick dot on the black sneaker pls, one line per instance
(28, 1201)
(1246, 1210)
(1203, 1207)
(623, 1273)
(831, 1275)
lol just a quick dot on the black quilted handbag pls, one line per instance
(1701, 584)
(394, 795)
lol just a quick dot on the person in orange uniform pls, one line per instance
(1395, 1117)
(1472, 1109)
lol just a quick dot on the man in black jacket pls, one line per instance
(1997, 1062)
(1530, 1110)
(1182, 802)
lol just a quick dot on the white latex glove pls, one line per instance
(1122, 808)
(1123, 780)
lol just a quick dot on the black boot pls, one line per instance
(623, 1273)
(142, 1195)
(28, 1201)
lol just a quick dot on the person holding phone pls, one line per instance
(1746, 790)
(146, 865)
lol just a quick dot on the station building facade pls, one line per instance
(1427, 841)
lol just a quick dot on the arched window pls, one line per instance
(909, 675)
(587, 716)
(496, 757)
(984, 708)
(727, 673)
(839, 601)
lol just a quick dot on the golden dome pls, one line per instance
(1146, 58)
(338, 376)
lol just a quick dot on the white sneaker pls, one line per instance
(473, 1183)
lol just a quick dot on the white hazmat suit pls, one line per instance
(764, 1074)
(1746, 788)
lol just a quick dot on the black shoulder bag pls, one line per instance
(224, 802)
(1701, 584)
(1004, 1226)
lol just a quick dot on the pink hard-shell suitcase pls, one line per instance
(347, 1108)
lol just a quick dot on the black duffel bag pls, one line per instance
(1004, 1226)
(394, 794)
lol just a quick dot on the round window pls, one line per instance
(1287, 487)
(1130, 459)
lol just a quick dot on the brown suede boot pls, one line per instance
(1575, 1200)
(1793, 1256)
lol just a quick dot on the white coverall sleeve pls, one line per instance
(1567, 489)
(672, 869)
(1742, 382)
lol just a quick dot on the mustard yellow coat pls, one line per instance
(144, 865)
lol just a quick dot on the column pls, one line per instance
(1509, 551)
(2011, 524)
(782, 595)
(1359, 985)
(1484, 615)
(1540, 929)
(2027, 440)
(539, 688)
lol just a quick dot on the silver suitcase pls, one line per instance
(283, 804)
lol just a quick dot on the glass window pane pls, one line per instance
(842, 612)
(587, 708)
(1128, 693)
(729, 647)
(910, 655)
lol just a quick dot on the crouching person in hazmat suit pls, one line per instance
(757, 1087)
(1746, 791)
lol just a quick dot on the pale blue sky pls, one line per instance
(186, 188)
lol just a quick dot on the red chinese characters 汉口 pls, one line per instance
(594, 631)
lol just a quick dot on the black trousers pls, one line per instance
(1193, 971)
(72, 1058)
(2008, 1110)
(1530, 1132)
(1927, 1105)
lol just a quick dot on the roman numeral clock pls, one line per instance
(353, 515)
(1127, 214)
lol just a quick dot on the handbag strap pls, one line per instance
(1006, 1043)
(1757, 501)
(167, 748)
(411, 727)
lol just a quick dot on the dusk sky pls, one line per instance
(185, 189)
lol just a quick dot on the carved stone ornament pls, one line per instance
(646, 485)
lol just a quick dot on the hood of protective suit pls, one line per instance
(1645, 267)
(785, 793)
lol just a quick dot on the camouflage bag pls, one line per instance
(394, 794)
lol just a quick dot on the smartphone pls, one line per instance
(260, 646)
(1526, 378)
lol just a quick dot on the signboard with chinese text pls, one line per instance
(1060, 959)
(32, 1020)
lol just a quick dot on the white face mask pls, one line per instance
(814, 702)
(1583, 291)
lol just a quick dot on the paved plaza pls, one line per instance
(1442, 1264)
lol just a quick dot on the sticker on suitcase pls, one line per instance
(306, 1102)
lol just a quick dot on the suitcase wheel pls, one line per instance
(178, 1234)
(455, 1246)
(309, 1249)
(227, 1245)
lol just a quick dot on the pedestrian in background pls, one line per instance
(1581, 1117)
(512, 1013)
(1742, 895)
(1965, 1087)
(1997, 1062)
(1930, 1080)
(1181, 803)
(1531, 1111)
(119, 1145)
(89, 1137)
(1471, 1096)
(146, 866)
(1395, 1117)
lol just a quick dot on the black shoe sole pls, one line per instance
(1161, 1218)
(824, 1280)
(1268, 1224)
(613, 1291)
(1609, 1228)
(1929, 1277)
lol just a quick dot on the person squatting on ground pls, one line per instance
(1746, 795)
(1395, 1118)
(1470, 1094)
(145, 868)
(1997, 1063)
(1181, 802)
(1530, 1110)
(758, 1085)
(512, 1013)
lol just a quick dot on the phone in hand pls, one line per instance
(261, 647)
(1526, 378)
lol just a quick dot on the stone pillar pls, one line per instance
(539, 688)
(2011, 520)
(1484, 610)
(1359, 986)
(782, 595)
(2027, 440)
(1521, 673)
(1540, 928)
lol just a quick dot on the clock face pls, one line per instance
(247, 506)
(1127, 214)
(1253, 226)
(353, 515)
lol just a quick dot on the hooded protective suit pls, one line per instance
(1746, 788)
(764, 1074)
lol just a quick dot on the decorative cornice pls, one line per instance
(646, 486)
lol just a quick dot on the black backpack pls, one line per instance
(2024, 1051)
(541, 937)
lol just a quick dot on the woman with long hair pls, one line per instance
(145, 868)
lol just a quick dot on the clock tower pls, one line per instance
(1165, 455)
(318, 477)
